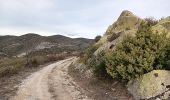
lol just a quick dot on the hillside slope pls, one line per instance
(94, 63)
(18, 45)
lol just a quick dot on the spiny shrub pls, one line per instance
(151, 21)
(88, 53)
(97, 63)
(10, 66)
(163, 61)
(135, 56)
(34, 62)
(55, 57)
(97, 38)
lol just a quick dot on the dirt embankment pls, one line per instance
(103, 88)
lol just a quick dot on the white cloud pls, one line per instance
(84, 18)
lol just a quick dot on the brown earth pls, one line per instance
(51, 82)
(9, 84)
(97, 88)
(58, 81)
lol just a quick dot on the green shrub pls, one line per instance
(135, 56)
(97, 38)
(55, 57)
(9, 66)
(97, 63)
(88, 53)
(163, 61)
(40, 59)
(34, 62)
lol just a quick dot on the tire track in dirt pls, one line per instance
(62, 86)
(35, 87)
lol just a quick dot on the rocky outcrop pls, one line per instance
(126, 21)
(127, 24)
(163, 26)
(153, 85)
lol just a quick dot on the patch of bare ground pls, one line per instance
(100, 88)
(9, 84)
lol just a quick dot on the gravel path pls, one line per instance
(51, 83)
(62, 86)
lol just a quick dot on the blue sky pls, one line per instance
(74, 18)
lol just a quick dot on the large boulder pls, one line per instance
(153, 85)
(126, 21)
(126, 24)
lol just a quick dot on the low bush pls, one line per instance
(88, 53)
(135, 56)
(55, 57)
(151, 21)
(163, 61)
(10, 66)
(13, 65)
(34, 62)
(97, 63)
(97, 38)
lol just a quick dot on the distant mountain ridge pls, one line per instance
(16, 45)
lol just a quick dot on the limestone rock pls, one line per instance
(126, 21)
(153, 85)
(126, 24)
(163, 25)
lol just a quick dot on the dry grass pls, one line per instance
(10, 66)
(13, 65)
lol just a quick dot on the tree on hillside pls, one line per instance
(135, 56)
(97, 38)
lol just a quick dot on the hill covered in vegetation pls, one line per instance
(130, 48)
(19, 45)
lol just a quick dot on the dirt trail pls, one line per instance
(62, 86)
(36, 86)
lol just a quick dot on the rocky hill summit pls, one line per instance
(126, 21)
(127, 24)
(131, 49)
